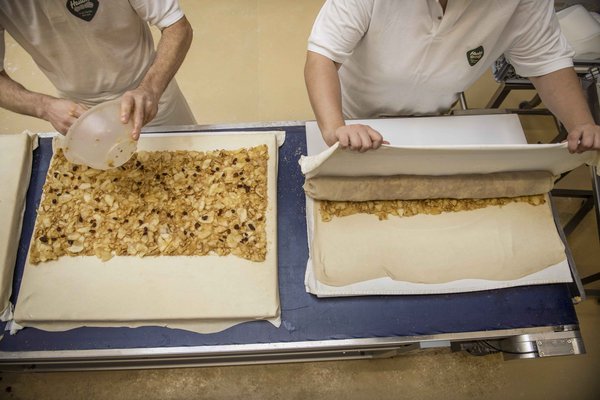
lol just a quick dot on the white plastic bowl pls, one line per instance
(99, 139)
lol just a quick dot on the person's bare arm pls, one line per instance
(323, 86)
(141, 103)
(59, 112)
(561, 93)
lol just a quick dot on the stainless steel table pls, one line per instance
(523, 322)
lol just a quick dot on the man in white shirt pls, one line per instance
(370, 59)
(94, 51)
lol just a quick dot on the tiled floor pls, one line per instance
(246, 65)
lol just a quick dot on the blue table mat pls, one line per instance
(304, 316)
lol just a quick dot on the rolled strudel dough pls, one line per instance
(415, 187)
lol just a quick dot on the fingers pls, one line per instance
(366, 142)
(126, 107)
(62, 113)
(63, 125)
(151, 110)
(358, 137)
(586, 142)
(583, 138)
(344, 141)
(129, 110)
(144, 111)
(139, 106)
(572, 143)
(132, 108)
(376, 138)
(356, 141)
(138, 120)
(76, 110)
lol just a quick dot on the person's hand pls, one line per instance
(62, 113)
(141, 105)
(356, 137)
(584, 137)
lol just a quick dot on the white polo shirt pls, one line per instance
(91, 50)
(408, 57)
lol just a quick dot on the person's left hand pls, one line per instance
(584, 137)
(141, 104)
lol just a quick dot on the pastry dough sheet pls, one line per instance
(15, 171)
(415, 187)
(493, 243)
(203, 294)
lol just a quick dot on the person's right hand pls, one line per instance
(62, 113)
(356, 137)
(139, 105)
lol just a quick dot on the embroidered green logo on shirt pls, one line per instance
(473, 56)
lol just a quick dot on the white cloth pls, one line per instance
(406, 57)
(92, 51)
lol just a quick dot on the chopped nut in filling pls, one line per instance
(408, 208)
(175, 203)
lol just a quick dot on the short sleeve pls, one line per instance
(160, 13)
(340, 25)
(539, 47)
(1, 49)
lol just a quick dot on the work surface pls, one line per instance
(305, 317)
